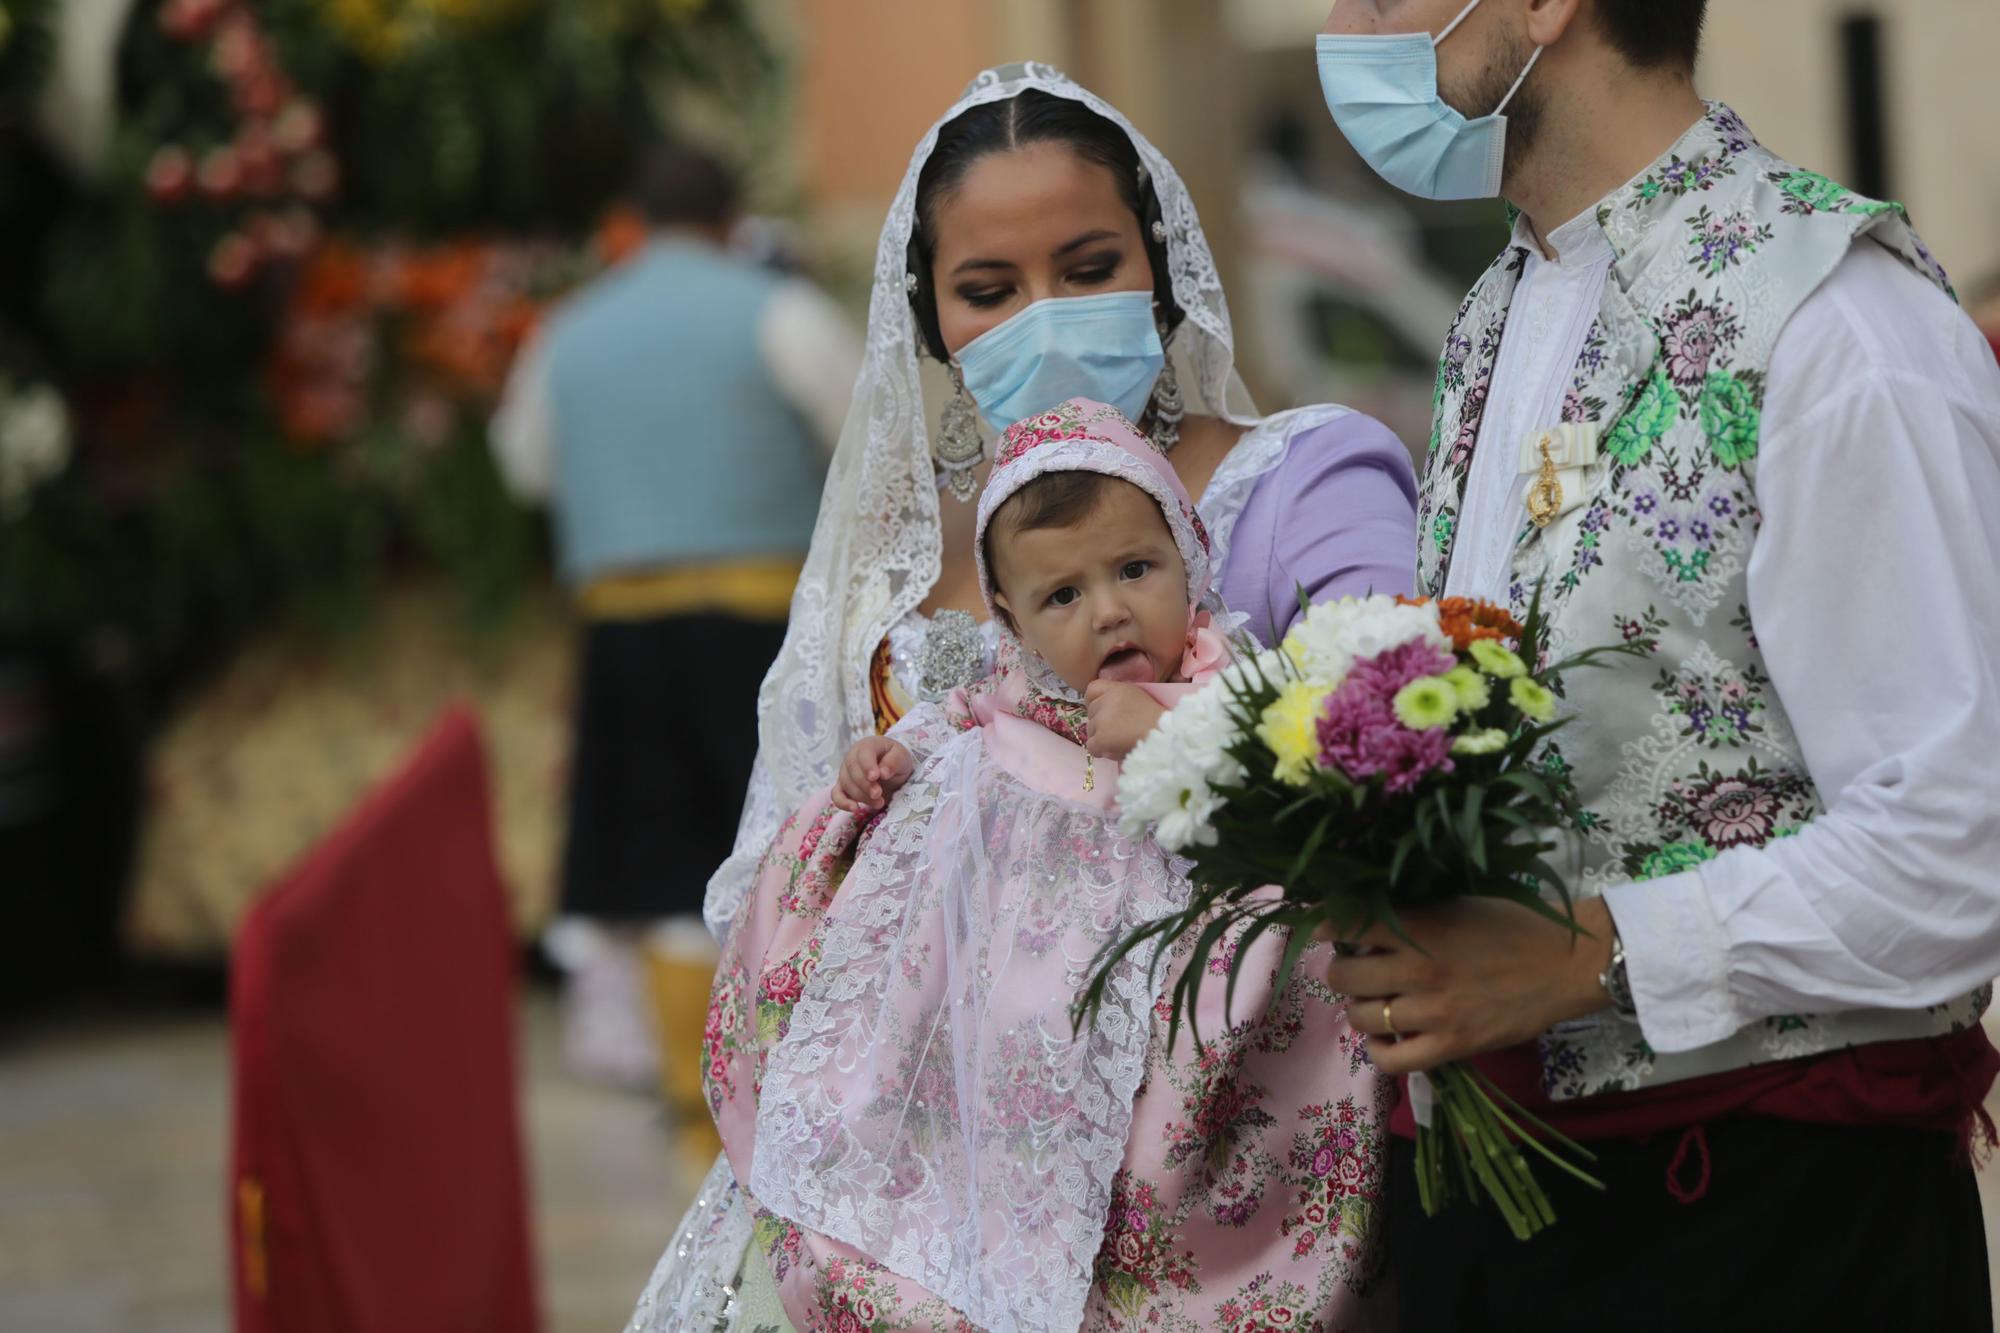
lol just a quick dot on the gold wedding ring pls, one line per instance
(1388, 1021)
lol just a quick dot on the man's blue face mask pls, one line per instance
(1382, 91)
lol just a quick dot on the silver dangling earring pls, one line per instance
(1167, 408)
(958, 448)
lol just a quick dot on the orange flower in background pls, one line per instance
(465, 353)
(365, 318)
(441, 275)
(333, 280)
(1467, 618)
(515, 320)
(620, 236)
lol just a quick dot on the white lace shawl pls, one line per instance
(876, 549)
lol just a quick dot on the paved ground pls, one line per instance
(113, 1138)
(112, 1142)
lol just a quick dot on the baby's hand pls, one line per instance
(1120, 716)
(874, 770)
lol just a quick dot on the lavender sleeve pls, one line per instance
(1338, 516)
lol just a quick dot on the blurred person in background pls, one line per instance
(676, 415)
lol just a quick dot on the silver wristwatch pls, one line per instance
(1617, 983)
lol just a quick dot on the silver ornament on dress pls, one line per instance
(953, 655)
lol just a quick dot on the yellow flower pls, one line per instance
(1471, 688)
(1426, 702)
(1533, 700)
(1289, 729)
(1495, 660)
(1490, 741)
(1295, 648)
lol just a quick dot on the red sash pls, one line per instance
(1935, 1083)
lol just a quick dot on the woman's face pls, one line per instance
(1026, 224)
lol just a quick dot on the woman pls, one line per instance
(1032, 191)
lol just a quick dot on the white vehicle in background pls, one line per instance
(1343, 306)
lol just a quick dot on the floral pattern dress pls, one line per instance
(1249, 1192)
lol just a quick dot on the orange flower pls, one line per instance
(515, 320)
(1466, 619)
(442, 275)
(620, 236)
(333, 279)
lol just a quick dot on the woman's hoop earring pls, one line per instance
(958, 449)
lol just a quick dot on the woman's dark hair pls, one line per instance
(1031, 116)
(1052, 500)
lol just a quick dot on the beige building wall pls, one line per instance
(871, 75)
(874, 73)
(1778, 63)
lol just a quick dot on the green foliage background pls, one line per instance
(186, 520)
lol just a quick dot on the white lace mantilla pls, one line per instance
(693, 1287)
(876, 549)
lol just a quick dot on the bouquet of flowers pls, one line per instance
(1384, 757)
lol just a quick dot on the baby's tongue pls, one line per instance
(1129, 666)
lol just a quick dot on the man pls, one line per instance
(678, 413)
(1774, 443)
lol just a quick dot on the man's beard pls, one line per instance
(1478, 95)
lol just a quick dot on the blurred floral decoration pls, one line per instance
(249, 341)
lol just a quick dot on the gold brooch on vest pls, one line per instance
(1557, 457)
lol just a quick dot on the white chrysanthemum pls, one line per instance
(1167, 781)
(1269, 667)
(1334, 635)
(1189, 826)
(1203, 724)
(1154, 775)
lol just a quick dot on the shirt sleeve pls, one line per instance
(1870, 587)
(522, 432)
(1346, 521)
(814, 355)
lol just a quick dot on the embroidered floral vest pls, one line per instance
(1685, 752)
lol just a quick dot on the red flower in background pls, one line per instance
(170, 173)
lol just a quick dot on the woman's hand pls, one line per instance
(1120, 717)
(875, 769)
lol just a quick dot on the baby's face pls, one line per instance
(1105, 598)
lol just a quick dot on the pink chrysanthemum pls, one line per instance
(1359, 734)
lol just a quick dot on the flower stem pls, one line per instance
(1481, 1134)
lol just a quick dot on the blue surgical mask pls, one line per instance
(1104, 347)
(1383, 94)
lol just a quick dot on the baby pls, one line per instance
(1082, 569)
(893, 1064)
